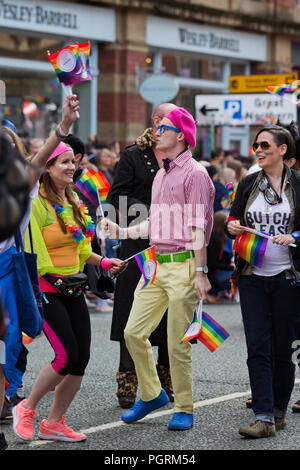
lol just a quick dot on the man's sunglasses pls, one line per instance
(163, 128)
(263, 145)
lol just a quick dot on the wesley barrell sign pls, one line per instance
(67, 19)
(182, 36)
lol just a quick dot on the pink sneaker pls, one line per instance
(23, 423)
(59, 431)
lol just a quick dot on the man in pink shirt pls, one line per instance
(180, 225)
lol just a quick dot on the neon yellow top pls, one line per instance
(57, 252)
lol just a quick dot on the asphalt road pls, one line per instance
(221, 388)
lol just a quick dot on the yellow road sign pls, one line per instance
(259, 83)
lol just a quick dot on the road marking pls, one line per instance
(157, 414)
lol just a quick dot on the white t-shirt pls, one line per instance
(273, 220)
(9, 242)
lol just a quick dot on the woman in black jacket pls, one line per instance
(130, 194)
(269, 201)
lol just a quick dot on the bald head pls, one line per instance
(160, 111)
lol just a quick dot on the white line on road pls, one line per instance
(157, 414)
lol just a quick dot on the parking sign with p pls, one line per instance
(233, 108)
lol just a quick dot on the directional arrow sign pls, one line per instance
(244, 109)
(204, 110)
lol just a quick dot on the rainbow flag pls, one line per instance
(251, 152)
(281, 89)
(71, 63)
(84, 52)
(251, 247)
(227, 200)
(212, 334)
(195, 327)
(147, 263)
(26, 339)
(91, 183)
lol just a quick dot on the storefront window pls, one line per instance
(192, 67)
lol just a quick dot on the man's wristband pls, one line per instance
(202, 269)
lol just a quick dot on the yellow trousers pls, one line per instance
(173, 289)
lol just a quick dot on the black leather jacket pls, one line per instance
(247, 191)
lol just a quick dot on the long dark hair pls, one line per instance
(48, 191)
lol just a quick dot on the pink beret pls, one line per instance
(61, 148)
(184, 121)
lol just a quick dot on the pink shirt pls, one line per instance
(182, 198)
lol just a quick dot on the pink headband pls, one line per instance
(61, 148)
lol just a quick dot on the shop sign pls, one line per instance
(259, 83)
(59, 18)
(159, 88)
(182, 36)
(251, 109)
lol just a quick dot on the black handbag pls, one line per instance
(70, 286)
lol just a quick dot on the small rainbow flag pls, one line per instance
(251, 246)
(212, 334)
(251, 152)
(147, 263)
(91, 183)
(71, 63)
(227, 200)
(26, 339)
(195, 327)
(281, 89)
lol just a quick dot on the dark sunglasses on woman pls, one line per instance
(270, 195)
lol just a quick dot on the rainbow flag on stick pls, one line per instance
(195, 327)
(71, 63)
(212, 334)
(206, 330)
(147, 263)
(251, 246)
(281, 89)
(92, 184)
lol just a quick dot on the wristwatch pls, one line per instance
(202, 269)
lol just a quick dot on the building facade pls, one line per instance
(199, 43)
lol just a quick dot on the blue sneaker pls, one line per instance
(142, 408)
(181, 421)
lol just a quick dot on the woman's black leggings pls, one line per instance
(68, 330)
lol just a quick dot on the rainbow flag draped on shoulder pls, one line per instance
(251, 246)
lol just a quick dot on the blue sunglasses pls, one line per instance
(163, 128)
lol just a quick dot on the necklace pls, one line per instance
(72, 227)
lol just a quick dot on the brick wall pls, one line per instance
(122, 112)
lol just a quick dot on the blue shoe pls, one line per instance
(181, 421)
(142, 408)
